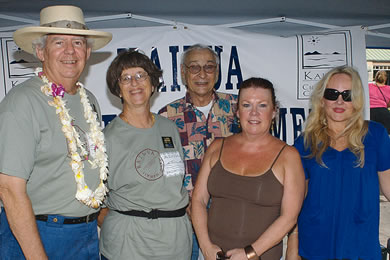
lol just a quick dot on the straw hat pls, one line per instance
(60, 19)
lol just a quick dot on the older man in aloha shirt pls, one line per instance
(197, 132)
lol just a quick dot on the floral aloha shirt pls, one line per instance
(197, 132)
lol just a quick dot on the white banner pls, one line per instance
(292, 64)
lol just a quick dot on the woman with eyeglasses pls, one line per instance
(255, 181)
(380, 100)
(346, 161)
(147, 202)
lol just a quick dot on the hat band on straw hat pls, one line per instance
(66, 24)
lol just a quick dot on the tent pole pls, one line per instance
(128, 16)
(18, 19)
(90, 19)
(156, 20)
(108, 17)
(260, 21)
(321, 25)
(379, 26)
(174, 23)
(277, 19)
(11, 28)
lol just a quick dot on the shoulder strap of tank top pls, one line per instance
(281, 150)
(220, 151)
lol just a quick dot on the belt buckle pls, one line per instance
(153, 214)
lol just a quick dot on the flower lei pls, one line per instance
(90, 198)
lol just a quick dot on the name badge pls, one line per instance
(167, 142)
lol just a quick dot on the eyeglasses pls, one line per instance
(333, 94)
(139, 77)
(195, 69)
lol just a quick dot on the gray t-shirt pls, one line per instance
(33, 147)
(146, 172)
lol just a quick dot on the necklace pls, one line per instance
(90, 198)
(125, 119)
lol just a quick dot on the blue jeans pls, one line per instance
(195, 248)
(61, 241)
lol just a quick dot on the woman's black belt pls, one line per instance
(155, 213)
(80, 220)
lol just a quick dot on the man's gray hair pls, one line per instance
(197, 47)
(40, 43)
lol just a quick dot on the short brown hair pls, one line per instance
(131, 59)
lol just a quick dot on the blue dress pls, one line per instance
(340, 214)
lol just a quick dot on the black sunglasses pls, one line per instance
(333, 94)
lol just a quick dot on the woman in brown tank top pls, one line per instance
(255, 181)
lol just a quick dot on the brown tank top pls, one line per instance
(243, 207)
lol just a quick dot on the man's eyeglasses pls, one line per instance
(138, 77)
(195, 69)
(333, 94)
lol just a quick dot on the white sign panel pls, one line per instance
(292, 64)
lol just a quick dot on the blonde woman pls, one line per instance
(346, 160)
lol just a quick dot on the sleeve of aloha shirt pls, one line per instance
(163, 112)
(18, 134)
(178, 141)
(299, 145)
(383, 150)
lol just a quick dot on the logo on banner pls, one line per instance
(317, 54)
(18, 65)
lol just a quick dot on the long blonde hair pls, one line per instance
(316, 134)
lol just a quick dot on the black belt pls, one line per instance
(155, 213)
(84, 219)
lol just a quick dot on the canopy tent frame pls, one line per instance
(370, 30)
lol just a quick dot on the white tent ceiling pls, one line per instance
(276, 17)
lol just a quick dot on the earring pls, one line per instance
(324, 121)
(238, 124)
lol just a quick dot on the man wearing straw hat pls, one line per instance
(52, 155)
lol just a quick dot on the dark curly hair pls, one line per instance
(131, 59)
